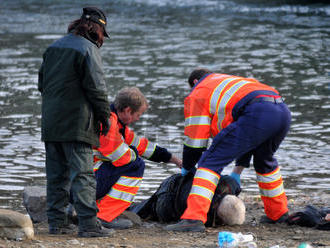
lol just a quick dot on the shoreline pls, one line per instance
(151, 234)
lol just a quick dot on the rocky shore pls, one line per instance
(151, 234)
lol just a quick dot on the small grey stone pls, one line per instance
(73, 242)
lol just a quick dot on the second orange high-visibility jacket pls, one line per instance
(119, 168)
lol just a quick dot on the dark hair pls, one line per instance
(88, 29)
(197, 74)
(130, 97)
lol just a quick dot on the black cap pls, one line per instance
(96, 15)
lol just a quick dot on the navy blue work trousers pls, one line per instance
(258, 132)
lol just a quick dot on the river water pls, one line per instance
(154, 45)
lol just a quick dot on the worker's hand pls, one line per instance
(237, 177)
(105, 126)
(176, 161)
(184, 171)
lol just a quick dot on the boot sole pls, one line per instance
(95, 234)
(121, 224)
(283, 219)
(186, 229)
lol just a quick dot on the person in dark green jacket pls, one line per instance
(75, 111)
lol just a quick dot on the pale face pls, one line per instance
(128, 117)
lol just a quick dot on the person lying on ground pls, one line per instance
(168, 203)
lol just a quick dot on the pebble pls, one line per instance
(298, 231)
(74, 242)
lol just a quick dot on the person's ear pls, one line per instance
(195, 81)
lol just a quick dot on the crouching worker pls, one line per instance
(118, 165)
(246, 119)
(169, 202)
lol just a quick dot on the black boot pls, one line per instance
(94, 232)
(186, 226)
(64, 229)
(117, 223)
(265, 220)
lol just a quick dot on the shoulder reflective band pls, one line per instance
(216, 94)
(225, 99)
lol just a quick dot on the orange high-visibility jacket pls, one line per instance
(209, 107)
(114, 147)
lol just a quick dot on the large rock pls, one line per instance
(14, 225)
(34, 200)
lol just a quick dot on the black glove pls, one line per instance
(105, 126)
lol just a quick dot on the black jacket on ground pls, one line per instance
(72, 85)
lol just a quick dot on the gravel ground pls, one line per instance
(151, 234)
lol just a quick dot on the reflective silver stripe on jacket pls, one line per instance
(196, 143)
(151, 147)
(115, 155)
(225, 99)
(135, 141)
(197, 120)
(97, 165)
(99, 155)
(120, 151)
(216, 94)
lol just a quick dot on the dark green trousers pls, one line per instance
(69, 166)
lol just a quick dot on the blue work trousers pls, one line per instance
(258, 132)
